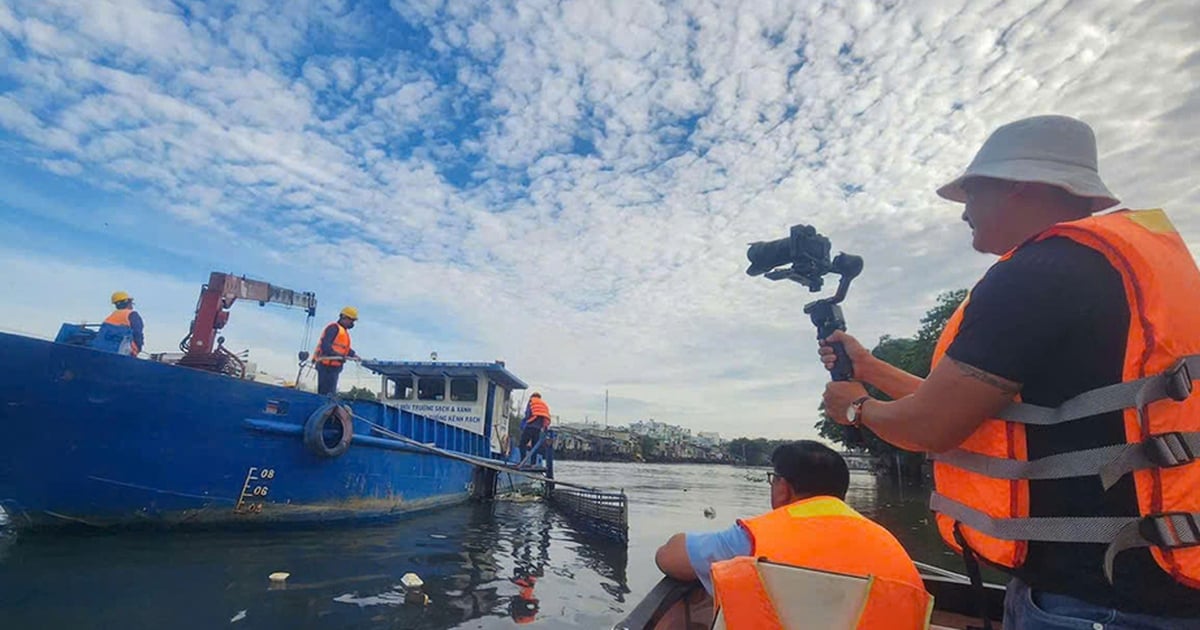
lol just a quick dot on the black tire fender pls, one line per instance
(328, 431)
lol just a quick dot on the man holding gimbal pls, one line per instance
(1093, 506)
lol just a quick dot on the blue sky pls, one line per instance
(568, 186)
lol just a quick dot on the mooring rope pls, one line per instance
(476, 461)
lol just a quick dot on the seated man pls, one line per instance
(810, 526)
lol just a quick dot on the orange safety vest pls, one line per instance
(982, 486)
(825, 534)
(341, 347)
(539, 409)
(120, 317)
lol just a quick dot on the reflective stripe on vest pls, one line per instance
(825, 534)
(983, 484)
(120, 317)
(341, 347)
(739, 592)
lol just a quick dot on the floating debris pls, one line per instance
(412, 580)
(278, 581)
(412, 589)
(710, 513)
(238, 617)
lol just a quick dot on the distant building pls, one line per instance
(648, 439)
(659, 430)
(572, 441)
(581, 426)
(588, 441)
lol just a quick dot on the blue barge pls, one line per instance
(98, 438)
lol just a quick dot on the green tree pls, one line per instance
(751, 451)
(913, 355)
(358, 393)
(515, 415)
(649, 447)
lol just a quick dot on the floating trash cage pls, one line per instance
(604, 513)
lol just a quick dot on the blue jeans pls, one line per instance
(1026, 610)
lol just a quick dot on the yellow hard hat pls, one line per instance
(120, 296)
(350, 312)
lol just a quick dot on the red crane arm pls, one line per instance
(222, 290)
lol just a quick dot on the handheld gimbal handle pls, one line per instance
(827, 317)
(842, 368)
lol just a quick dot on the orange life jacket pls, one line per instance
(539, 409)
(825, 534)
(120, 317)
(982, 486)
(341, 347)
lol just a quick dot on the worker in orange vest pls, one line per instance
(810, 526)
(125, 317)
(1059, 410)
(536, 420)
(334, 350)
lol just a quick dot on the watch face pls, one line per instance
(852, 413)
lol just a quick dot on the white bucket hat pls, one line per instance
(1055, 150)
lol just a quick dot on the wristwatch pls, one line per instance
(854, 412)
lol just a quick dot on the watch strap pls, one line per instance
(857, 405)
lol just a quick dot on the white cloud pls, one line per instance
(62, 167)
(570, 185)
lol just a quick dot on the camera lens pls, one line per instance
(767, 255)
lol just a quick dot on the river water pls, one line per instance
(476, 561)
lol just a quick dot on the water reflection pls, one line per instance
(484, 566)
(481, 565)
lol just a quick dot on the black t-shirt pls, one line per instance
(1054, 317)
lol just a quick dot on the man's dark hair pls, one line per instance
(812, 469)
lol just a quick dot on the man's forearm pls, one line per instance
(895, 423)
(941, 412)
(945, 410)
(887, 378)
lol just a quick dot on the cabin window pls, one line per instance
(399, 389)
(431, 388)
(464, 389)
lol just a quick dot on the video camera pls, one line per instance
(807, 251)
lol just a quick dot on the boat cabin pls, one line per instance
(471, 396)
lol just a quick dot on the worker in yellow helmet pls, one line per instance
(334, 350)
(125, 317)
